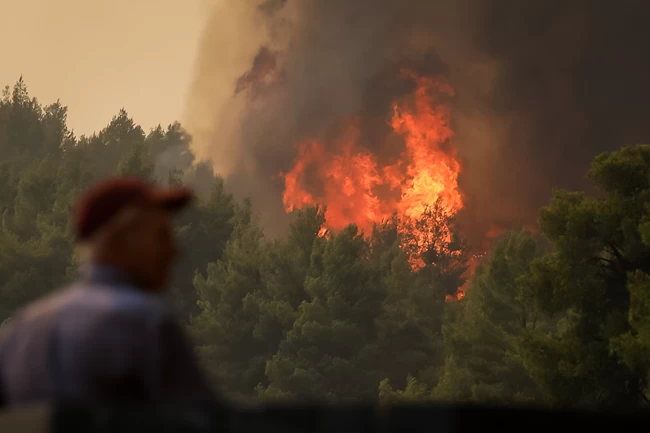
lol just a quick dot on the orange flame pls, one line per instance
(472, 264)
(457, 297)
(433, 169)
(356, 188)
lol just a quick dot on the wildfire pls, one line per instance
(357, 188)
(453, 298)
(473, 262)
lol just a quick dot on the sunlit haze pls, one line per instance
(100, 56)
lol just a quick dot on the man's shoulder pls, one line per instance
(101, 302)
(37, 316)
(116, 303)
(43, 307)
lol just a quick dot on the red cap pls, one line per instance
(104, 201)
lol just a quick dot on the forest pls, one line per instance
(559, 317)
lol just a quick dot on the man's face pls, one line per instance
(150, 248)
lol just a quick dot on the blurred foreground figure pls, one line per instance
(110, 337)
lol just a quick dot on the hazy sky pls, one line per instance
(98, 56)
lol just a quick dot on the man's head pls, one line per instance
(127, 223)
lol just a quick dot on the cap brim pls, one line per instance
(172, 199)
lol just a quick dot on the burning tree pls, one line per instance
(435, 248)
(416, 184)
(357, 187)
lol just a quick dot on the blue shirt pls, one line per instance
(101, 340)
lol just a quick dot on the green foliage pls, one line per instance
(560, 318)
(318, 311)
(203, 232)
(328, 353)
(233, 342)
(483, 333)
(43, 170)
(594, 280)
(413, 392)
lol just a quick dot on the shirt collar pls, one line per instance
(104, 274)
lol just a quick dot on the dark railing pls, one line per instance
(318, 419)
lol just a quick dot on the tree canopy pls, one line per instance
(560, 317)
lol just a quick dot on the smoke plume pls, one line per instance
(541, 87)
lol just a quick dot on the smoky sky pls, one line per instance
(541, 87)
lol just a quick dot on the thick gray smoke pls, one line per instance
(541, 87)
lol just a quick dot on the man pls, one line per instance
(110, 337)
